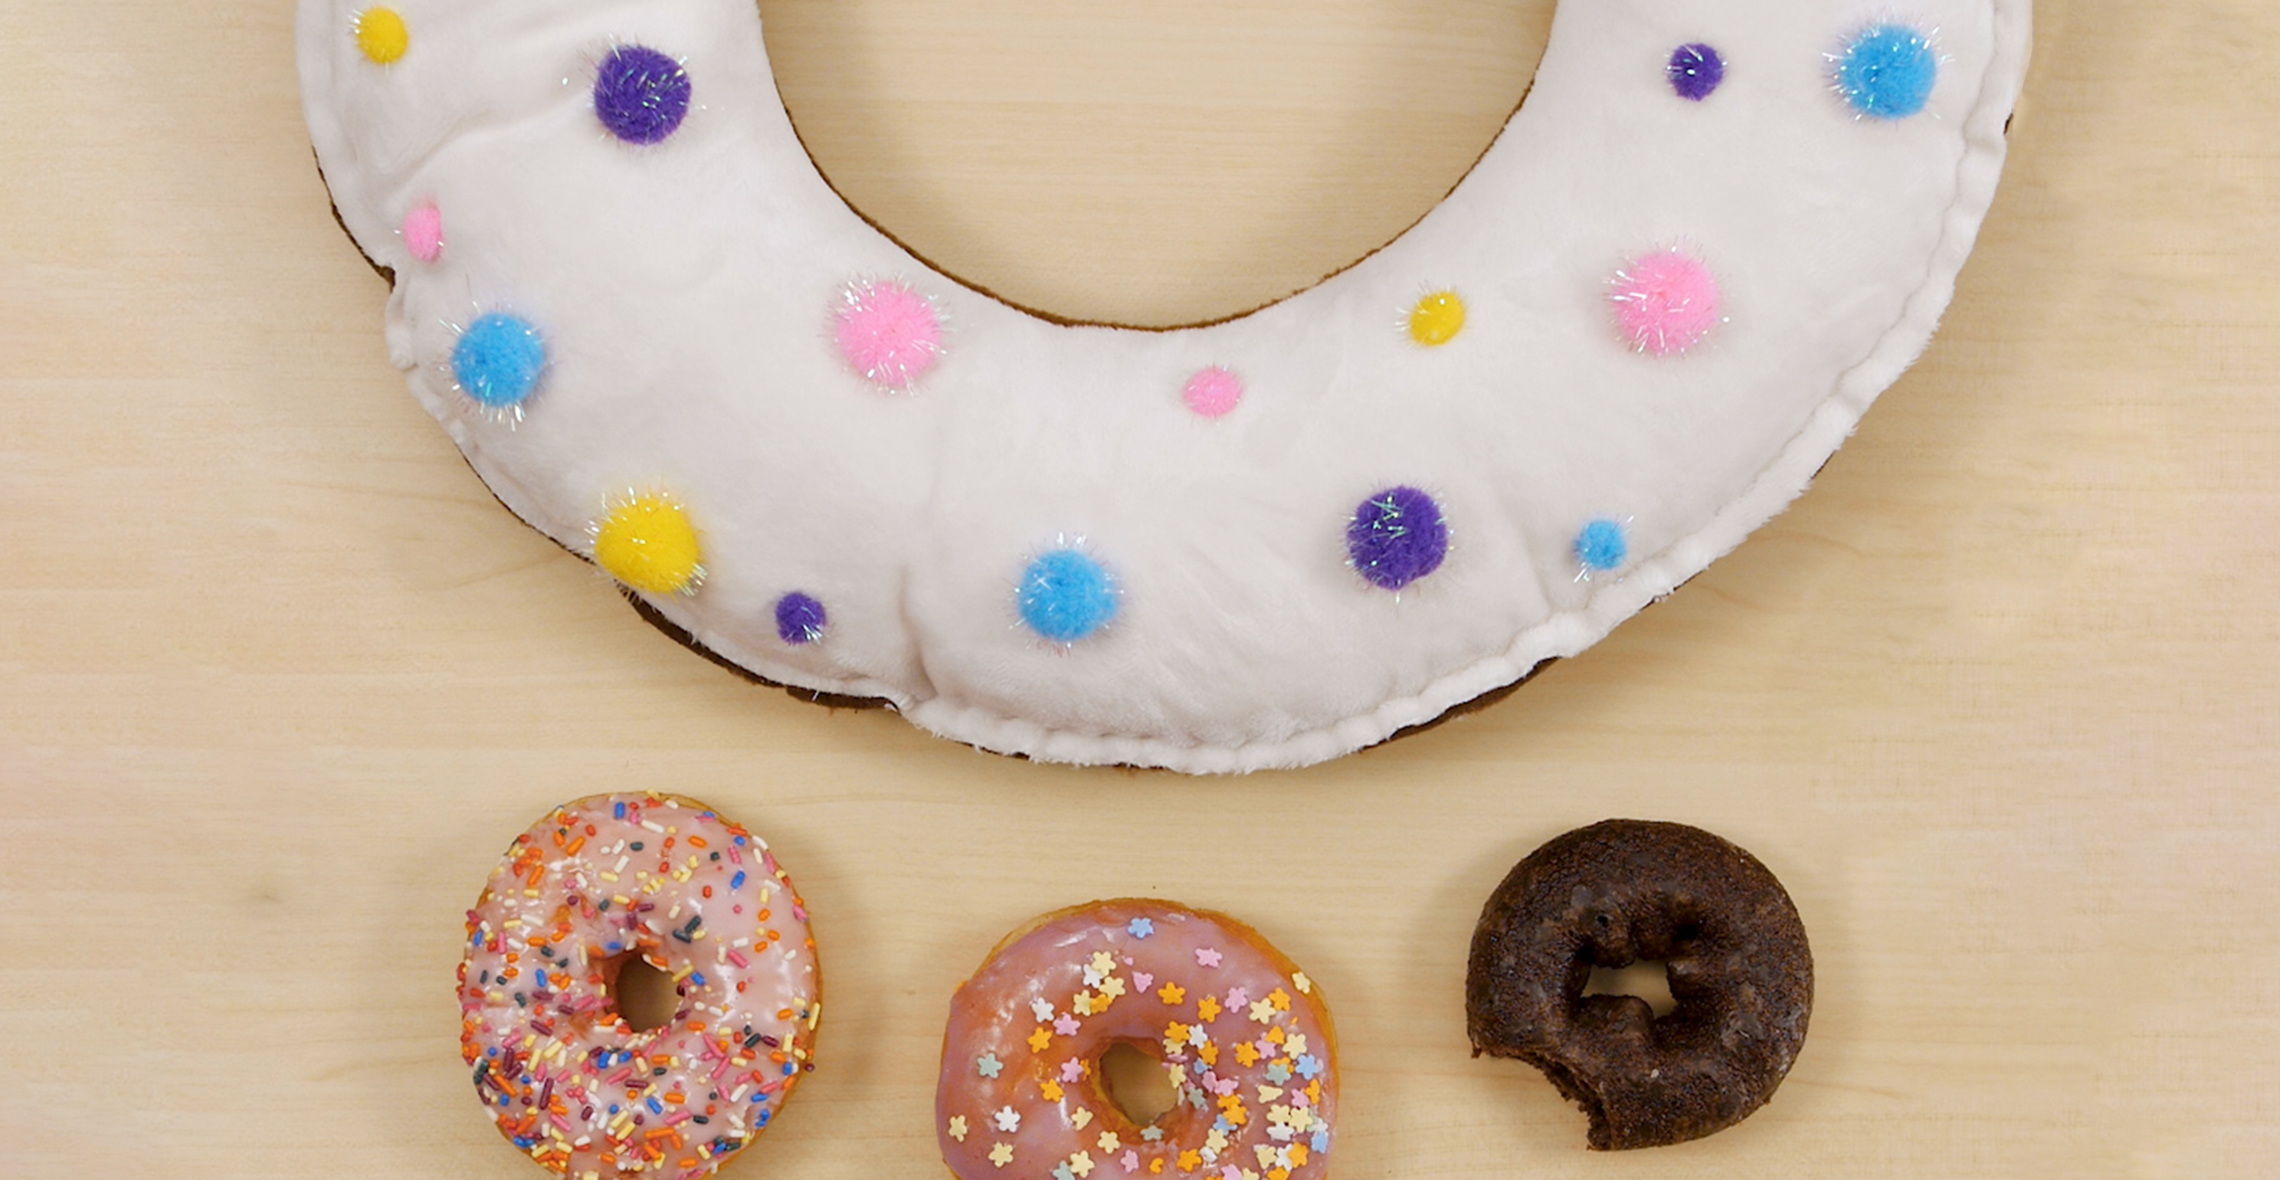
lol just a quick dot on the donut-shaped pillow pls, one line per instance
(1710, 237)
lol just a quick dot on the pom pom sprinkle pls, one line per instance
(1601, 546)
(1213, 393)
(1066, 596)
(647, 543)
(1696, 70)
(1665, 302)
(423, 233)
(381, 35)
(887, 332)
(498, 360)
(1887, 72)
(1437, 319)
(641, 95)
(1397, 537)
(800, 619)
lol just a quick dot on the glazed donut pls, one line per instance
(560, 1071)
(1626, 891)
(1659, 301)
(1243, 1035)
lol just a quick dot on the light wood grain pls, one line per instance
(278, 680)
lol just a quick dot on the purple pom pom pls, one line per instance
(1397, 537)
(1695, 71)
(641, 95)
(799, 619)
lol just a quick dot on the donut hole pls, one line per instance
(1135, 1083)
(643, 996)
(1647, 980)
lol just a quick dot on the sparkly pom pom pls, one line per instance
(647, 543)
(1665, 302)
(1066, 596)
(423, 233)
(1397, 537)
(887, 332)
(1437, 319)
(1601, 546)
(1213, 393)
(381, 35)
(799, 619)
(641, 95)
(1887, 72)
(1695, 71)
(498, 360)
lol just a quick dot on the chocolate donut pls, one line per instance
(1624, 891)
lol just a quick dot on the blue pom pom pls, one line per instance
(641, 95)
(498, 360)
(1396, 537)
(1887, 72)
(1601, 545)
(1066, 596)
(799, 619)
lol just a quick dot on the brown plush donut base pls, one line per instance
(1625, 891)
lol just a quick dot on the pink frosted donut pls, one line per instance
(561, 1072)
(1243, 1034)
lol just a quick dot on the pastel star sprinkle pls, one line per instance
(1131, 1161)
(1206, 957)
(1262, 1011)
(1207, 1009)
(1002, 1154)
(1140, 927)
(1072, 1069)
(1238, 997)
(1081, 1119)
(1247, 1053)
(1280, 999)
(988, 1065)
(1008, 1119)
(1042, 1008)
(1189, 1159)
(1039, 1039)
(1321, 1141)
(1109, 1142)
(1111, 987)
(958, 1127)
(1302, 983)
(1066, 1025)
(1081, 1163)
(1061, 1171)
(1103, 962)
(1308, 1067)
(1083, 1004)
(1171, 993)
(1050, 1089)
(1151, 1134)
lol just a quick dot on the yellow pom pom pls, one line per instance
(1437, 319)
(380, 33)
(647, 543)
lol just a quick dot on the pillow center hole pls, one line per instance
(644, 996)
(1151, 164)
(1136, 1084)
(1649, 981)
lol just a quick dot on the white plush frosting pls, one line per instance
(684, 290)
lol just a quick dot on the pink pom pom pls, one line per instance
(1665, 302)
(1213, 393)
(423, 233)
(888, 333)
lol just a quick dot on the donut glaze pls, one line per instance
(1616, 893)
(1243, 1034)
(559, 1070)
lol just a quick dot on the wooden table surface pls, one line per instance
(278, 680)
